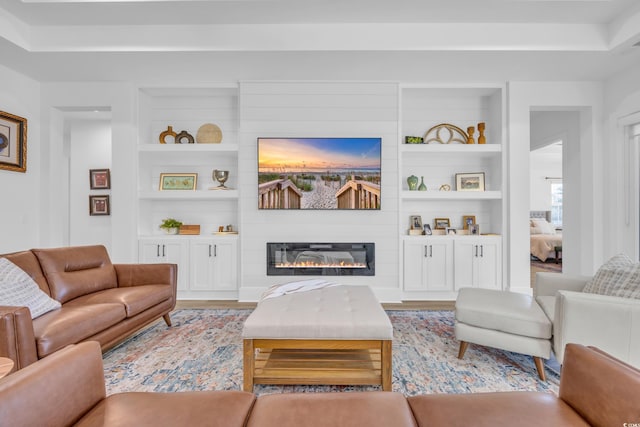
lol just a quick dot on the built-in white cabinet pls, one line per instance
(207, 266)
(207, 263)
(439, 195)
(478, 262)
(214, 266)
(171, 250)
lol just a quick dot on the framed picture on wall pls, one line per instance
(13, 142)
(100, 179)
(441, 223)
(99, 205)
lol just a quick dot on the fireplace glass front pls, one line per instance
(320, 259)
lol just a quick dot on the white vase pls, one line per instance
(173, 230)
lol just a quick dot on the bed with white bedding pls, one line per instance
(544, 238)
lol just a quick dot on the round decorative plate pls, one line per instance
(209, 133)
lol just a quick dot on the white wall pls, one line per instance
(90, 148)
(622, 103)
(308, 109)
(20, 193)
(582, 176)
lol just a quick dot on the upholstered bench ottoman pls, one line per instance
(332, 335)
(505, 320)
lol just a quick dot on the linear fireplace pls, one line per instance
(320, 259)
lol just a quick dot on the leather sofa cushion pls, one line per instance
(135, 299)
(76, 271)
(524, 409)
(28, 262)
(202, 408)
(70, 325)
(353, 409)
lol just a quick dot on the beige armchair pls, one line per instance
(607, 322)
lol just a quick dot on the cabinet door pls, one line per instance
(214, 265)
(489, 269)
(171, 251)
(465, 253)
(439, 260)
(415, 253)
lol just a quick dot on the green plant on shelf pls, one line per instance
(170, 223)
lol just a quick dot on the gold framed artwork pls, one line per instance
(13, 142)
(470, 181)
(468, 220)
(178, 181)
(99, 205)
(100, 179)
(441, 223)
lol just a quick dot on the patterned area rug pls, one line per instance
(203, 351)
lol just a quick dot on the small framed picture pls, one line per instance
(441, 223)
(99, 179)
(468, 220)
(178, 181)
(416, 222)
(474, 229)
(470, 181)
(99, 205)
(13, 142)
(450, 231)
(427, 230)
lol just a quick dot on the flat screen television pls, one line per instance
(319, 173)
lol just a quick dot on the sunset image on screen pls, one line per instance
(319, 173)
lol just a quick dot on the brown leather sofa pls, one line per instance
(101, 301)
(67, 388)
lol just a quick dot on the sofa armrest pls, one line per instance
(602, 389)
(547, 284)
(607, 322)
(57, 390)
(146, 274)
(17, 340)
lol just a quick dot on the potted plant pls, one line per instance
(170, 225)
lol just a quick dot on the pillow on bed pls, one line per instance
(620, 277)
(535, 230)
(543, 226)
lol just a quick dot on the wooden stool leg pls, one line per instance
(387, 358)
(540, 366)
(463, 349)
(248, 365)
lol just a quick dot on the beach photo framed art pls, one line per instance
(473, 181)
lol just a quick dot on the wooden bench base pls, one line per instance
(339, 362)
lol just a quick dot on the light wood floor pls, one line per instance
(405, 305)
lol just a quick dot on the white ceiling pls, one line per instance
(408, 40)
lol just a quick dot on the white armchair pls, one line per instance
(607, 322)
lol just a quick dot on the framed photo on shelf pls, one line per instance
(416, 222)
(468, 220)
(99, 205)
(474, 229)
(13, 142)
(441, 223)
(450, 231)
(178, 181)
(99, 179)
(470, 181)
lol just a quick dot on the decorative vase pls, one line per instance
(166, 133)
(422, 187)
(172, 230)
(412, 181)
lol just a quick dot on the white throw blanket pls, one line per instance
(293, 287)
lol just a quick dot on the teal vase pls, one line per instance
(412, 181)
(422, 187)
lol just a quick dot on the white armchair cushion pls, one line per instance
(619, 276)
